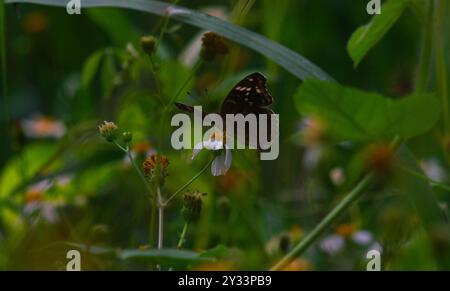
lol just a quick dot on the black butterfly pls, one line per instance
(248, 96)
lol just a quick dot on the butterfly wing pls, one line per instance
(184, 107)
(248, 95)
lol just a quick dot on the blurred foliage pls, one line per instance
(70, 73)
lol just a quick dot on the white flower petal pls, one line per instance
(197, 148)
(228, 158)
(219, 166)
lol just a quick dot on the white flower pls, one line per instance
(332, 244)
(362, 237)
(222, 162)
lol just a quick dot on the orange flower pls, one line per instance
(35, 22)
(218, 266)
(150, 165)
(379, 157)
(346, 229)
(299, 265)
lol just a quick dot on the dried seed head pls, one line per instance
(213, 45)
(108, 130)
(192, 205)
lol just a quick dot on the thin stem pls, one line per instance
(186, 82)
(425, 178)
(441, 65)
(356, 193)
(189, 182)
(136, 168)
(160, 227)
(326, 222)
(425, 57)
(183, 236)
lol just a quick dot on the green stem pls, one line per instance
(3, 68)
(441, 65)
(189, 182)
(326, 222)
(186, 82)
(160, 226)
(153, 200)
(356, 193)
(425, 178)
(425, 57)
(136, 168)
(183, 236)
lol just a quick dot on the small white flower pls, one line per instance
(332, 244)
(433, 169)
(222, 162)
(337, 176)
(362, 237)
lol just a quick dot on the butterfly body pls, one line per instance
(249, 96)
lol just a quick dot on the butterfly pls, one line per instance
(249, 96)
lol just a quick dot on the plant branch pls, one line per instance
(183, 236)
(189, 182)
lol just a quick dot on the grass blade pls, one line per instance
(285, 57)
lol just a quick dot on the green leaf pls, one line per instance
(115, 24)
(164, 256)
(424, 201)
(283, 56)
(167, 256)
(354, 115)
(365, 37)
(108, 74)
(218, 251)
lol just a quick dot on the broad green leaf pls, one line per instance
(166, 256)
(355, 115)
(424, 201)
(286, 58)
(90, 67)
(115, 24)
(365, 37)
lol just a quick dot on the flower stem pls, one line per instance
(357, 191)
(189, 182)
(326, 222)
(183, 236)
(186, 82)
(153, 201)
(441, 65)
(425, 57)
(160, 227)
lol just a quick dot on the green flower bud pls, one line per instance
(127, 136)
(148, 44)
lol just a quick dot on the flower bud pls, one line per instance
(148, 44)
(192, 206)
(108, 130)
(127, 136)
